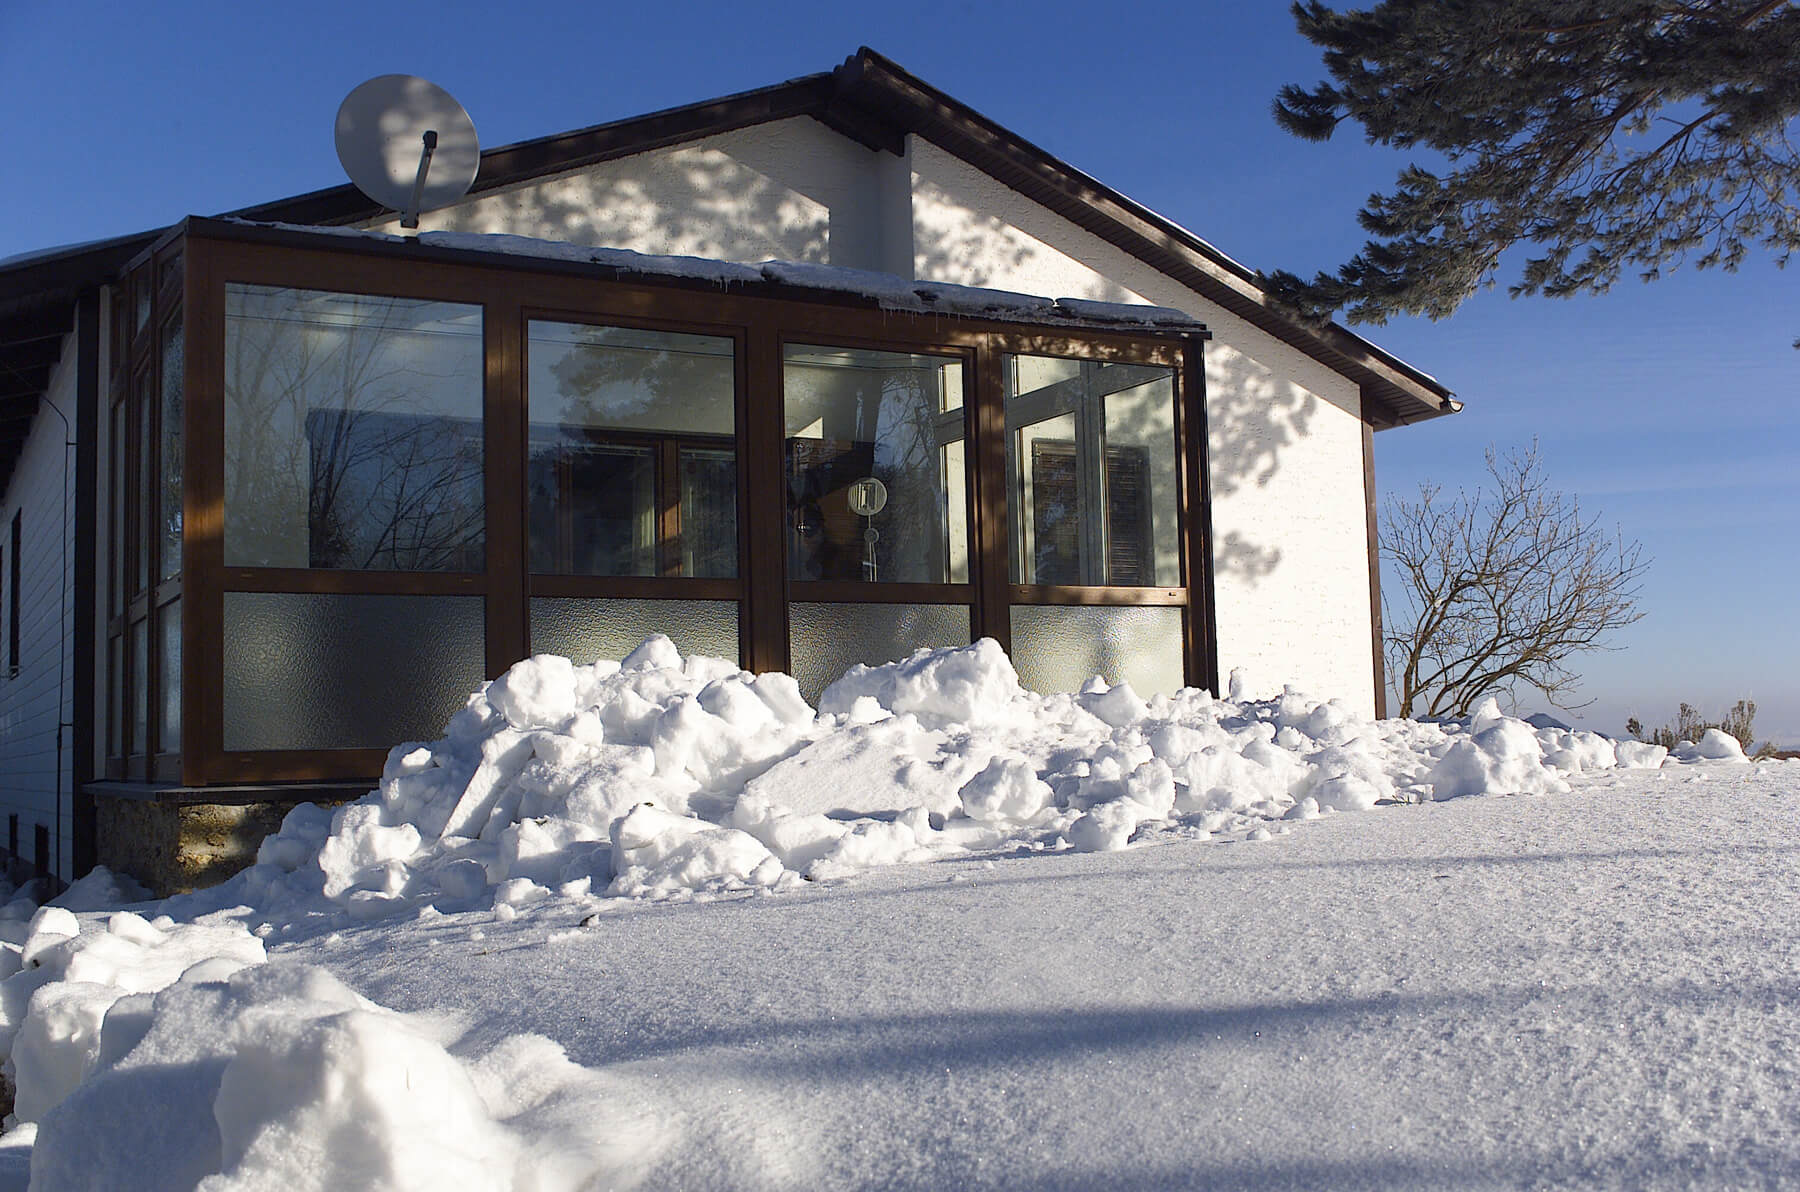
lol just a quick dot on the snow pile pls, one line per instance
(1715, 745)
(150, 1053)
(63, 986)
(671, 776)
(282, 1076)
(100, 890)
(156, 1055)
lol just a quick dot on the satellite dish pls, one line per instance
(407, 144)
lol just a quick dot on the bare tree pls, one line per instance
(1500, 589)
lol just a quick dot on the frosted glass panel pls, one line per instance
(588, 629)
(353, 433)
(1060, 647)
(310, 670)
(825, 640)
(168, 633)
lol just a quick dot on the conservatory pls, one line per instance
(353, 475)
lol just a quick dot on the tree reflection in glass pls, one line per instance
(353, 432)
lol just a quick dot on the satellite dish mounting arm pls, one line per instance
(410, 217)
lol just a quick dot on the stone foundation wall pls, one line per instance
(173, 848)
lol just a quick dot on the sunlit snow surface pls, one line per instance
(1594, 987)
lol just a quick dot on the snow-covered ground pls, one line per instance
(907, 944)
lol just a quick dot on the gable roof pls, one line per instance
(869, 99)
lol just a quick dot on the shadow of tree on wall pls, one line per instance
(1253, 420)
(991, 250)
(983, 251)
(698, 202)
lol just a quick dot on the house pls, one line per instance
(806, 376)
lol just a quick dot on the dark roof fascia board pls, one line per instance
(46, 281)
(414, 250)
(509, 165)
(873, 80)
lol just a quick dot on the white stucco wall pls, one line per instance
(1290, 546)
(789, 190)
(31, 769)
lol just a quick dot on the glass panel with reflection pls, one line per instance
(875, 486)
(633, 452)
(353, 432)
(1092, 473)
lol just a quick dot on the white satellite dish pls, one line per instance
(407, 144)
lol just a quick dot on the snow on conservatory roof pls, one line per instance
(885, 290)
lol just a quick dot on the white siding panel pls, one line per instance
(34, 775)
(1290, 550)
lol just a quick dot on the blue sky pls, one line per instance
(1671, 409)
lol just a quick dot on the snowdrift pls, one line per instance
(666, 776)
(152, 1052)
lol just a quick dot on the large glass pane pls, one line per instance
(1143, 546)
(633, 464)
(709, 543)
(353, 434)
(1049, 512)
(168, 636)
(1092, 469)
(1060, 647)
(590, 629)
(825, 640)
(875, 489)
(170, 512)
(311, 670)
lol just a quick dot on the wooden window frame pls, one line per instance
(511, 293)
(134, 429)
